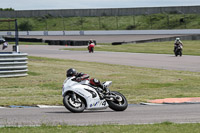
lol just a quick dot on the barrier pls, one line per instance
(186, 37)
(107, 32)
(99, 12)
(68, 42)
(13, 64)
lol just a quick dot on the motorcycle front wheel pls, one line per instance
(181, 53)
(74, 105)
(118, 104)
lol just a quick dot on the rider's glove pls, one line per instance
(78, 79)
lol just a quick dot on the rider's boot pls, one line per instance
(104, 88)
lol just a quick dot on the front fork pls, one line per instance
(74, 98)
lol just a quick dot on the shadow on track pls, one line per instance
(87, 111)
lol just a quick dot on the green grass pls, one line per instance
(139, 22)
(166, 127)
(190, 48)
(43, 85)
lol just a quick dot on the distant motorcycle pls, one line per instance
(5, 44)
(78, 96)
(178, 50)
(91, 47)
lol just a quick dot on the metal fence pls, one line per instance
(100, 12)
(139, 22)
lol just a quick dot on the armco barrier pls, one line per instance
(106, 32)
(13, 64)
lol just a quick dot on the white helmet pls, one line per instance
(178, 39)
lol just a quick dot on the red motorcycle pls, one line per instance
(91, 47)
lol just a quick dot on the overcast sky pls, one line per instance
(82, 4)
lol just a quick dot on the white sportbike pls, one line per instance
(78, 96)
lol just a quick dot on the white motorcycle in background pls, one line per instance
(5, 44)
(78, 96)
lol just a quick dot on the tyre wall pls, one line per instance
(13, 64)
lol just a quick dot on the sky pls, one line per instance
(91, 4)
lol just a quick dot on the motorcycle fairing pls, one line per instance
(85, 92)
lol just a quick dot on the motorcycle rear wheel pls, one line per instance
(117, 105)
(92, 50)
(76, 106)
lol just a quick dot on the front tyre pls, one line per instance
(74, 105)
(176, 54)
(118, 104)
(181, 53)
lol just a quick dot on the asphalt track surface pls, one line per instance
(135, 114)
(161, 61)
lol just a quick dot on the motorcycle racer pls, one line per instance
(5, 44)
(79, 77)
(91, 46)
(80, 96)
(90, 41)
(177, 43)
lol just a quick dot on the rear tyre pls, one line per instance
(180, 53)
(119, 104)
(92, 49)
(74, 105)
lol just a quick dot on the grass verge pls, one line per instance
(43, 85)
(166, 127)
(137, 22)
(190, 48)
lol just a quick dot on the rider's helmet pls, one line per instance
(71, 72)
(90, 41)
(177, 40)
